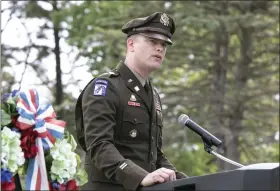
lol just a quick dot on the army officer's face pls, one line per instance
(149, 52)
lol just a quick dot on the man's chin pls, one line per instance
(154, 66)
(157, 65)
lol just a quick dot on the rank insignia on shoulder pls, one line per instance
(114, 73)
(100, 87)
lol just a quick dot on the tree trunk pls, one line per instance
(242, 74)
(219, 82)
(58, 85)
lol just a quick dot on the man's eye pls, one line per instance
(153, 41)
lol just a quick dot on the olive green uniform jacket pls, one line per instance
(120, 127)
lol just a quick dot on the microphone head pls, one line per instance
(183, 118)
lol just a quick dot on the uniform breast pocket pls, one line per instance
(135, 125)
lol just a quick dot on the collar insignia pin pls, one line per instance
(136, 88)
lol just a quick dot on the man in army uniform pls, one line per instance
(119, 114)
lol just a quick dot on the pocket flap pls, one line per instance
(135, 116)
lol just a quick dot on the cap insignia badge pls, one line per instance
(164, 19)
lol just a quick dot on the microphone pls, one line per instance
(207, 137)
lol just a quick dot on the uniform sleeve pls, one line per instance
(99, 113)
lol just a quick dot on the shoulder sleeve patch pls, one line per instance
(100, 87)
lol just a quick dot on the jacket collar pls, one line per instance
(133, 83)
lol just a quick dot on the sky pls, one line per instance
(15, 35)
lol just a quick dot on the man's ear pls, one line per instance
(130, 44)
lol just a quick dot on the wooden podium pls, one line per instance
(262, 176)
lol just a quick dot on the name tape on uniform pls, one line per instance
(132, 103)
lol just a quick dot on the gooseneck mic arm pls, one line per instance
(209, 140)
(210, 150)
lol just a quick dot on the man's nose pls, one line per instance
(160, 47)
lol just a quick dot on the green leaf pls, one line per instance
(5, 118)
(78, 160)
(72, 142)
(9, 106)
(81, 175)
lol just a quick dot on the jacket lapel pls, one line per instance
(133, 83)
(154, 100)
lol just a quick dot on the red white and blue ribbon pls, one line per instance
(41, 118)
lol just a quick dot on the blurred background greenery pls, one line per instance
(223, 70)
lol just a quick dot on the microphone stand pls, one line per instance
(209, 149)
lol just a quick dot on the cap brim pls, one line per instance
(158, 36)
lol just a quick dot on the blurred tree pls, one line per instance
(43, 43)
(8, 60)
(222, 71)
(33, 9)
(99, 39)
(211, 53)
(7, 79)
(214, 57)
